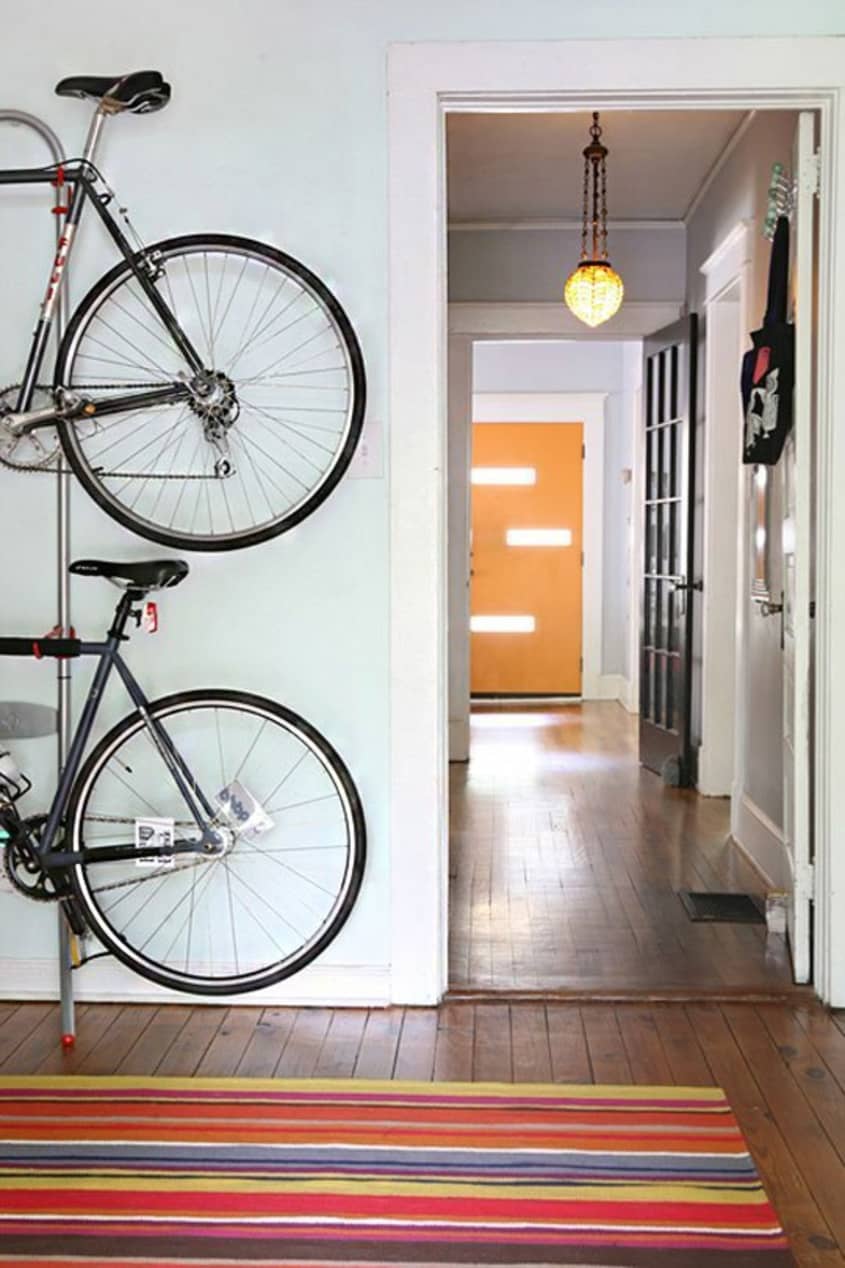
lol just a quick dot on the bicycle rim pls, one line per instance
(293, 861)
(288, 384)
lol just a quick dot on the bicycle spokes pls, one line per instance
(264, 426)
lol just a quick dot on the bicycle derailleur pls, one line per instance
(214, 401)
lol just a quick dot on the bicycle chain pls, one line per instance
(41, 897)
(153, 876)
(49, 469)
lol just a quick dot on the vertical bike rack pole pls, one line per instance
(48, 136)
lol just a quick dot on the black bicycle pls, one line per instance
(209, 390)
(213, 841)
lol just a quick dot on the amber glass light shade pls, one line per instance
(593, 292)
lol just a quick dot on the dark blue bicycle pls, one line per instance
(213, 840)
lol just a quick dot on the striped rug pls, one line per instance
(317, 1172)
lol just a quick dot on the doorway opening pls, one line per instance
(576, 828)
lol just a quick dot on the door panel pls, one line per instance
(665, 669)
(515, 579)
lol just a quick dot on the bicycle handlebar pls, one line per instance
(59, 648)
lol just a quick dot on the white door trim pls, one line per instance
(727, 271)
(459, 440)
(424, 81)
(588, 408)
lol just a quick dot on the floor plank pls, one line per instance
(415, 1054)
(379, 1044)
(223, 1055)
(608, 1059)
(649, 1064)
(264, 1051)
(531, 1044)
(455, 1043)
(492, 1058)
(184, 1055)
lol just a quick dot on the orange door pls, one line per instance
(526, 558)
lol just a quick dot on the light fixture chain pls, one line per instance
(586, 211)
(596, 220)
(603, 209)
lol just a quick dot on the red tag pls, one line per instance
(761, 364)
(149, 618)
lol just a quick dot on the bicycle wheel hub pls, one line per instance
(214, 400)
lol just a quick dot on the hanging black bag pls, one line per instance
(768, 369)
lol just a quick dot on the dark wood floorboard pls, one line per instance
(781, 1065)
(417, 1046)
(566, 861)
(376, 1055)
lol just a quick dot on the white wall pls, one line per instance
(277, 129)
(570, 366)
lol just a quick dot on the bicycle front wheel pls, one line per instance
(272, 422)
(288, 873)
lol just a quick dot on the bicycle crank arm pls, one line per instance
(32, 419)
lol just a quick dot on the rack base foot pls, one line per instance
(68, 1041)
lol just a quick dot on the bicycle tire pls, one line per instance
(270, 478)
(91, 881)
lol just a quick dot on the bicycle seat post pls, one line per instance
(92, 140)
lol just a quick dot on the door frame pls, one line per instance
(587, 408)
(726, 271)
(425, 81)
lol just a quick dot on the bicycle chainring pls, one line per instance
(37, 451)
(23, 866)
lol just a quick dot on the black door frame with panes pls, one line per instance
(669, 586)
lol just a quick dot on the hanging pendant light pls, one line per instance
(594, 291)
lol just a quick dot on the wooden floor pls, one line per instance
(567, 858)
(782, 1066)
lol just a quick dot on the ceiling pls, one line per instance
(505, 167)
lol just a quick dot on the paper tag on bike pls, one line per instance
(242, 811)
(149, 618)
(154, 834)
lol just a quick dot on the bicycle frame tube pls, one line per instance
(80, 178)
(110, 658)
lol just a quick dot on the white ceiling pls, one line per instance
(505, 167)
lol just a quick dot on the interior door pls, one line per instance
(669, 394)
(797, 475)
(526, 593)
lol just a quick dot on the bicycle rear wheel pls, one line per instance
(294, 853)
(278, 416)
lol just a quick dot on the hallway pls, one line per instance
(567, 858)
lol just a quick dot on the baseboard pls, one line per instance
(761, 840)
(629, 696)
(611, 687)
(106, 981)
